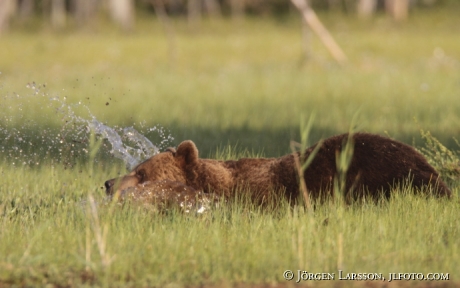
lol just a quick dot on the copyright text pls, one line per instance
(302, 275)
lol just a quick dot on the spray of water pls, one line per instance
(38, 126)
(131, 155)
(62, 131)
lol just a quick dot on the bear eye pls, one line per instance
(141, 174)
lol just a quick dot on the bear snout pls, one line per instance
(108, 186)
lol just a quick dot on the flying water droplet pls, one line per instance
(29, 141)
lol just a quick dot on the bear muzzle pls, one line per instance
(119, 184)
(109, 186)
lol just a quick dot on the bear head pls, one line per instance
(170, 165)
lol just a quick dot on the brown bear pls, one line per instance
(378, 163)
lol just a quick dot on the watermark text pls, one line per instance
(303, 275)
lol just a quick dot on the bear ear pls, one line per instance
(187, 151)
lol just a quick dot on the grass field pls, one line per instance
(235, 89)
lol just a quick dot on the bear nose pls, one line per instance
(108, 185)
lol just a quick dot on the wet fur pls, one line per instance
(165, 195)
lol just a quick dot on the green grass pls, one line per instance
(235, 90)
(49, 235)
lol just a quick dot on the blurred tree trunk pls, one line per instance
(237, 9)
(366, 8)
(193, 12)
(58, 14)
(7, 9)
(213, 8)
(26, 8)
(84, 10)
(398, 9)
(122, 12)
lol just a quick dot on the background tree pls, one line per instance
(366, 8)
(7, 9)
(84, 11)
(122, 12)
(58, 14)
(398, 9)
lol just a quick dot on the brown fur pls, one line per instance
(378, 164)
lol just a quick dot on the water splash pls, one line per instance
(130, 154)
(38, 126)
(167, 195)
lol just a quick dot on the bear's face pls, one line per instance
(169, 165)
